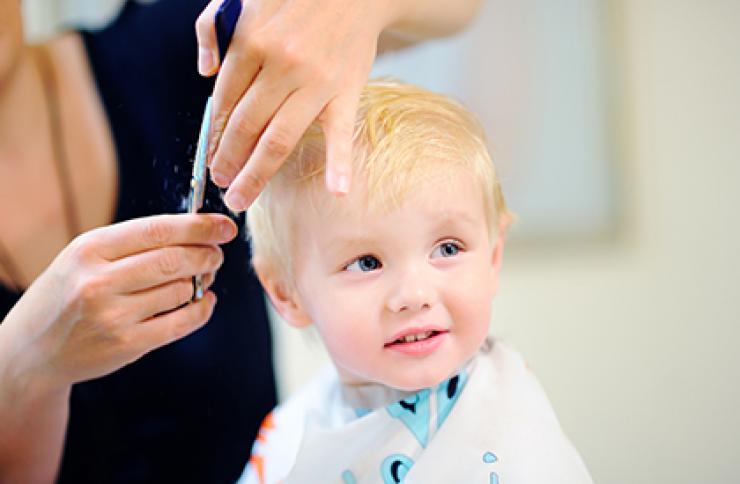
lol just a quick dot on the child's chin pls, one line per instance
(419, 382)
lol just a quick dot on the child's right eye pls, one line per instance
(365, 263)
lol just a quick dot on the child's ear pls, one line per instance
(282, 296)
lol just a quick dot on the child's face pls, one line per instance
(371, 280)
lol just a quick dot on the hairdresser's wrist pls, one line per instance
(25, 381)
(415, 20)
(392, 13)
(34, 410)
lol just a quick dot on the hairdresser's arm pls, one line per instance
(111, 296)
(417, 20)
(295, 61)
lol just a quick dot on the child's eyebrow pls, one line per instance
(348, 243)
(456, 220)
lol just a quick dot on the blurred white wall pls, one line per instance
(44, 18)
(534, 73)
(635, 338)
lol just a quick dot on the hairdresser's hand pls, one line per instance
(112, 295)
(290, 62)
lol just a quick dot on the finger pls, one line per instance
(168, 327)
(237, 73)
(209, 279)
(338, 124)
(147, 233)
(167, 297)
(160, 299)
(246, 124)
(155, 267)
(274, 146)
(205, 31)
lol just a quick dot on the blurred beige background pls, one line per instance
(631, 329)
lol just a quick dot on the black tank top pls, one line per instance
(187, 412)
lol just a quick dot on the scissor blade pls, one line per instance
(198, 180)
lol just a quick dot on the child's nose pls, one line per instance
(413, 292)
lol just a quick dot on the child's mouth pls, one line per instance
(411, 338)
(418, 343)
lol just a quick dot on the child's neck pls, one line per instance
(372, 395)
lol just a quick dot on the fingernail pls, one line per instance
(220, 179)
(206, 61)
(217, 257)
(343, 184)
(337, 183)
(228, 231)
(235, 201)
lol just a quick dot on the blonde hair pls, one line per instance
(402, 134)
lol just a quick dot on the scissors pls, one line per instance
(225, 21)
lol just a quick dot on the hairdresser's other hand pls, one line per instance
(290, 62)
(112, 295)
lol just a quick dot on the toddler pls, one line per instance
(398, 278)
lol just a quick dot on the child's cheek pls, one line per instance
(343, 336)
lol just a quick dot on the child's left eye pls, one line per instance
(446, 249)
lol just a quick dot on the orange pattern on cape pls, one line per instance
(258, 461)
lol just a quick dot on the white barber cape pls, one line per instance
(490, 424)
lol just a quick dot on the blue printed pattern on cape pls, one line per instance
(491, 423)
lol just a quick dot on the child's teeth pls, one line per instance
(410, 338)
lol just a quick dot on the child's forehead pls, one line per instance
(365, 200)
